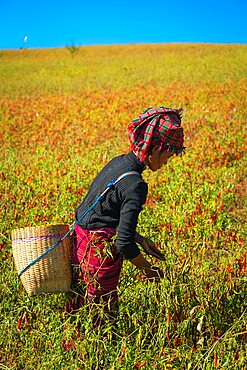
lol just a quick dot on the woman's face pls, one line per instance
(157, 159)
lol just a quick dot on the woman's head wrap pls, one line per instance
(157, 126)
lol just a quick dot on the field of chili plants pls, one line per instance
(63, 115)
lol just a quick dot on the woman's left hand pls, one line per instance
(150, 248)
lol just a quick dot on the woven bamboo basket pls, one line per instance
(52, 273)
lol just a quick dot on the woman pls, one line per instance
(107, 235)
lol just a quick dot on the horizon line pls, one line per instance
(121, 44)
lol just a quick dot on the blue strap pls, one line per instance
(109, 186)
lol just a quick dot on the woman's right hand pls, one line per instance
(154, 272)
(151, 272)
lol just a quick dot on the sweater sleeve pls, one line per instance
(133, 201)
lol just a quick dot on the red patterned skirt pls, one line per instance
(99, 264)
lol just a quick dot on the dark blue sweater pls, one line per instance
(122, 204)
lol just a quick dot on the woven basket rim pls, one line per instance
(40, 227)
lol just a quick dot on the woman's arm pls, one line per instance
(138, 238)
(133, 200)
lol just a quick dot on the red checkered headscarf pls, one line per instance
(157, 126)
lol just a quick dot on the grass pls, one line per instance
(62, 117)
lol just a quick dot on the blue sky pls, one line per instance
(53, 23)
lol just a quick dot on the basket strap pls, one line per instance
(109, 186)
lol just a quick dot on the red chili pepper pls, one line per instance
(168, 318)
(236, 355)
(121, 357)
(19, 323)
(176, 341)
(138, 365)
(25, 318)
(215, 359)
(168, 338)
(123, 354)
